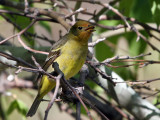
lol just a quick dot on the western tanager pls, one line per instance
(70, 53)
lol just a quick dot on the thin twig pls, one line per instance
(151, 95)
(22, 43)
(140, 81)
(94, 107)
(54, 96)
(85, 107)
(26, 10)
(77, 11)
(28, 15)
(117, 12)
(52, 14)
(92, 44)
(139, 35)
(70, 10)
(56, 68)
(19, 60)
(115, 107)
(103, 74)
(30, 49)
(78, 110)
(26, 32)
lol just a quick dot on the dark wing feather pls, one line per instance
(50, 59)
(53, 54)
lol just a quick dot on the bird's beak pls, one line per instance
(90, 29)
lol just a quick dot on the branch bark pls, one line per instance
(52, 14)
(126, 97)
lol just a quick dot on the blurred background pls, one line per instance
(143, 15)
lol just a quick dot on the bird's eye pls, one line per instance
(80, 28)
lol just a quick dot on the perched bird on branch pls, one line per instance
(70, 53)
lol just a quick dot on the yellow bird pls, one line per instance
(70, 53)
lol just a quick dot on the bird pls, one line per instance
(70, 53)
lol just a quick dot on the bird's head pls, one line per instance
(82, 30)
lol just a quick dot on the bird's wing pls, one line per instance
(54, 53)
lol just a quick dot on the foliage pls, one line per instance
(143, 13)
(18, 105)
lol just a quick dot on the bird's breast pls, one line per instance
(73, 56)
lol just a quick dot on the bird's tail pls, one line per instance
(34, 107)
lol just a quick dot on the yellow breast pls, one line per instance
(71, 61)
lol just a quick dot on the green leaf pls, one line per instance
(125, 6)
(12, 107)
(107, 23)
(141, 10)
(156, 14)
(136, 48)
(153, 9)
(156, 101)
(98, 51)
(1, 18)
(19, 106)
(102, 50)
